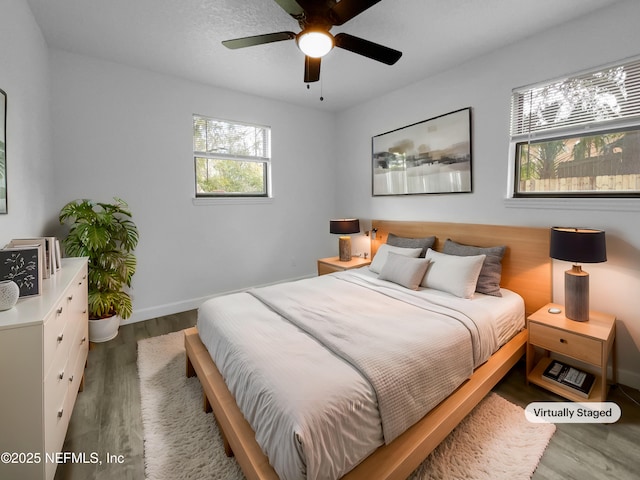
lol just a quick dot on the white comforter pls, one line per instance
(314, 414)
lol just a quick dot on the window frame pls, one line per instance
(264, 160)
(583, 129)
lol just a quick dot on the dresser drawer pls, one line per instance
(56, 416)
(56, 337)
(566, 343)
(77, 296)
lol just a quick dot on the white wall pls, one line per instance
(127, 132)
(485, 85)
(121, 131)
(24, 76)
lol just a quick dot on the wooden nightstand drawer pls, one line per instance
(566, 343)
(333, 264)
(325, 268)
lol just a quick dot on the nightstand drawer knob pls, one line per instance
(562, 340)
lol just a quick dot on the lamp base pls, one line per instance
(576, 294)
(344, 246)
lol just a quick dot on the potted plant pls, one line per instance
(105, 233)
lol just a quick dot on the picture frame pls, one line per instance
(3, 152)
(432, 156)
(22, 265)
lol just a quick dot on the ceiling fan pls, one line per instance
(316, 18)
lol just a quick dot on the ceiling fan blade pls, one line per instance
(368, 49)
(258, 40)
(311, 69)
(292, 7)
(345, 10)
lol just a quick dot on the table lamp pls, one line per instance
(577, 245)
(344, 227)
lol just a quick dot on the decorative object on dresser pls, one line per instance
(577, 245)
(49, 252)
(433, 156)
(591, 343)
(43, 352)
(344, 227)
(9, 293)
(105, 233)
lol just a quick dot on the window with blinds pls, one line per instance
(580, 135)
(232, 159)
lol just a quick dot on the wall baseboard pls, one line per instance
(140, 315)
(631, 379)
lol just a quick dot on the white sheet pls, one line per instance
(280, 377)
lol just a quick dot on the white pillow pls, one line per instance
(453, 274)
(403, 270)
(383, 251)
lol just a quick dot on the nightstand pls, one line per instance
(589, 342)
(333, 264)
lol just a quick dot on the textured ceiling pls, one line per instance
(182, 38)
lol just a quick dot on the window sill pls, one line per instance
(203, 201)
(592, 204)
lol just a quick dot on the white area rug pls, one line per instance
(181, 442)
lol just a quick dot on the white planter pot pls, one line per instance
(104, 329)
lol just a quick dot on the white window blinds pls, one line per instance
(224, 139)
(603, 98)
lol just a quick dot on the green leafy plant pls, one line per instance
(105, 233)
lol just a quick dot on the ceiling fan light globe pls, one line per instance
(315, 44)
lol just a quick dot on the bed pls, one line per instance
(384, 431)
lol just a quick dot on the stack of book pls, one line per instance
(570, 377)
(28, 261)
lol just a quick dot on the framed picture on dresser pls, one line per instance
(22, 264)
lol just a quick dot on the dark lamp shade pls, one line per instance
(578, 245)
(344, 226)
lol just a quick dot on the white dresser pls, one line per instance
(44, 344)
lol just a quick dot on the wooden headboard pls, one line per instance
(526, 266)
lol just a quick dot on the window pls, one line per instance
(231, 159)
(579, 136)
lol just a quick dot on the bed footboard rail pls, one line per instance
(238, 434)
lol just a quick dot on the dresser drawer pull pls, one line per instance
(70, 297)
(59, 311)
(84, 339)
(71, 378)
(60, 412)
(61, 375)
(60, 337)
(562, 340)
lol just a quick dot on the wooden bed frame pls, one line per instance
(526, 270)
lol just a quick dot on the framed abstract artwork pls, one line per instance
(3, 152)
(432, 156)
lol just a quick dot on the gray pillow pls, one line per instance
(403, 270)
(405, 242)
(491, 273)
